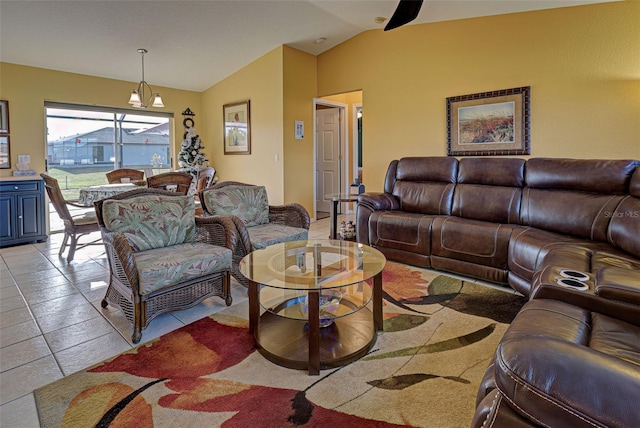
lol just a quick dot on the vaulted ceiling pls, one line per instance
(194, 44)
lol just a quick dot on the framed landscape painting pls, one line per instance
(489, 123)
(237, 128)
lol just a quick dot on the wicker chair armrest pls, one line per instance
(293, 214)
(217, 230)
(121, 261)
(243, 243)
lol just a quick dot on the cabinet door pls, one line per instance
(7, 226)
(29, 212)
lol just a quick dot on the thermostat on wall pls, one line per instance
(299, 130)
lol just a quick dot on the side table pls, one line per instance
(336, 198)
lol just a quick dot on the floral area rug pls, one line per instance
(424, 370)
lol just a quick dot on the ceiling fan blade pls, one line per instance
(406, 12)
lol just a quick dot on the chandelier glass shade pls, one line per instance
(138, 98)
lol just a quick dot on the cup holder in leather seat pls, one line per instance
(574, 274)
(572, 283)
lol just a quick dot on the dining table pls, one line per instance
(90, 194)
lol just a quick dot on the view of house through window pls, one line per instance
(85, 142)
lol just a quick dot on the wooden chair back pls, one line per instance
(175, 181)
(205, 178)
(129, 175)
(56, 198)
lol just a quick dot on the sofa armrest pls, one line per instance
(379, 201)
(618, 284)
(217, 230)
(559, 383)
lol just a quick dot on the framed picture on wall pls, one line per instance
(237, 128)
(489, 123)
(4, 117)
(5, 152)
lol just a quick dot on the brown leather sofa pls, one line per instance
(572, 355)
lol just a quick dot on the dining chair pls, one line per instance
(205, 178)
(124, 175)
(176, 181)
(75, 226)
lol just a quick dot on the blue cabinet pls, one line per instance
(22, 212)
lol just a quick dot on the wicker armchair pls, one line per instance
(75, 226)
(180, 181)
(161, 257)
(277, 223)
(125, 175)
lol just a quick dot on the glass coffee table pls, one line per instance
(314, 304)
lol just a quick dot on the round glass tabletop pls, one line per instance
(312, 264)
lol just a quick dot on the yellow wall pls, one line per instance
(582, 63)
(299, 72)
(261, 83)
(27, 88)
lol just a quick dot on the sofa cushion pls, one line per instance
(585, 175)
(249, 203)
(151, 221)
(162, 267)
(425, 185)
(624, 227)
(263, 235)
(401, 231)
(472, 241)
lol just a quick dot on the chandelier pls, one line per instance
(138, 97)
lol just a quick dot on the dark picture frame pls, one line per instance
(4, 117)
(237, 128)
(489, 123)
(5, 152)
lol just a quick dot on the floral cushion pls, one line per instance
(249, 203)
(268, 234)
(166, 266)
(152, 221)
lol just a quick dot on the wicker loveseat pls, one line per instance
(258, 224)
(161, 257)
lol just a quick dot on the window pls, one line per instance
(85, 142)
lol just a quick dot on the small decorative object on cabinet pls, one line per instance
(22, 210)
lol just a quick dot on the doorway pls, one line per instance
(329, 144)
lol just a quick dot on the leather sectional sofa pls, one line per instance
(563, 232)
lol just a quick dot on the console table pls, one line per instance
(336, 198)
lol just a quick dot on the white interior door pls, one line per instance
(327, 156)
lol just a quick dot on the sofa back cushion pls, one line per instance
(249, 203)
(587, 175)
(624, 227)
(489, 189)
(425, 184)
(572, 196)
(151, 221)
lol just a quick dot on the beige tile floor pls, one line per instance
(52, 325)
